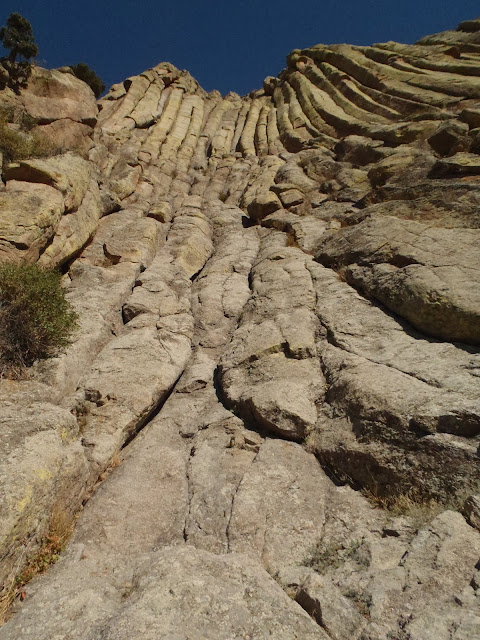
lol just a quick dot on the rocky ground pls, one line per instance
(270, 415)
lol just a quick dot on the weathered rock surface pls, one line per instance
(408, 267)
(278, 300)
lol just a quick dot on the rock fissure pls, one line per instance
(189, 493)
(232, 504)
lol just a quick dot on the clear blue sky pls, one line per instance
(225, 45)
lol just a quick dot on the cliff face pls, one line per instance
(279, 306)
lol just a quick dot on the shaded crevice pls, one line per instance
(65, 266)
(190, 492)
(151, 414)
(247, 222)
(247, 418)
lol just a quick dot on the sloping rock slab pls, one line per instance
(194, 594)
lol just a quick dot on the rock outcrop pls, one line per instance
(279, 331)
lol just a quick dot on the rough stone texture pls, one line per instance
(471, 509)
(52, 95)
(29, 215)
(67, 135)
(408, 267)
(332, 610)
(274, 387)
(229, 596)
(43, 471)
(67, 173)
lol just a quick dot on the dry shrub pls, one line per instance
(17, 145)
(16, 141)
(51, 545)
(324, 557)
(410, 504)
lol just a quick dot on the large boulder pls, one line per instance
(29, 216)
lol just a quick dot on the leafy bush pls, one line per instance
(83, 72)
(36, 320)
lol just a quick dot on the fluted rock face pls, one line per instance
(279, 306)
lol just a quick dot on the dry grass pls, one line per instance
(410, 504)
(113, 464)
(16, 141)
(361, 600)
(17, 145)
(32, 563)
(54, 541)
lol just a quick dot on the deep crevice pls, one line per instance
(151, 414)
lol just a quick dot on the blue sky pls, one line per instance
(229, 46)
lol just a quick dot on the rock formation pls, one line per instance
(279, 313)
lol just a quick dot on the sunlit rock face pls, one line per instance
(276, 375)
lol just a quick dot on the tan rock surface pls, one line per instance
(30, 214)
(67, 173)
(52, 95)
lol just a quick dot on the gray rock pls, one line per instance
(226, 596)
(448, 137)
(408, 274)
(333, 612)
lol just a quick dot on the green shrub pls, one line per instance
(83, 72)
(36, 320)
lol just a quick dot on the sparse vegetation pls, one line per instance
(88, 75)
(411, 504)
(18, 145)
(361, 600)
(36, 320)
(17, 141)
(52, 543)
(19, 117)
(325, 557)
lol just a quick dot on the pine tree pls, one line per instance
(18, 37)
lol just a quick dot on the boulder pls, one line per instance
(29, 216)
(448, 137)
(410, 274)
(68, 173)
(52, 95)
